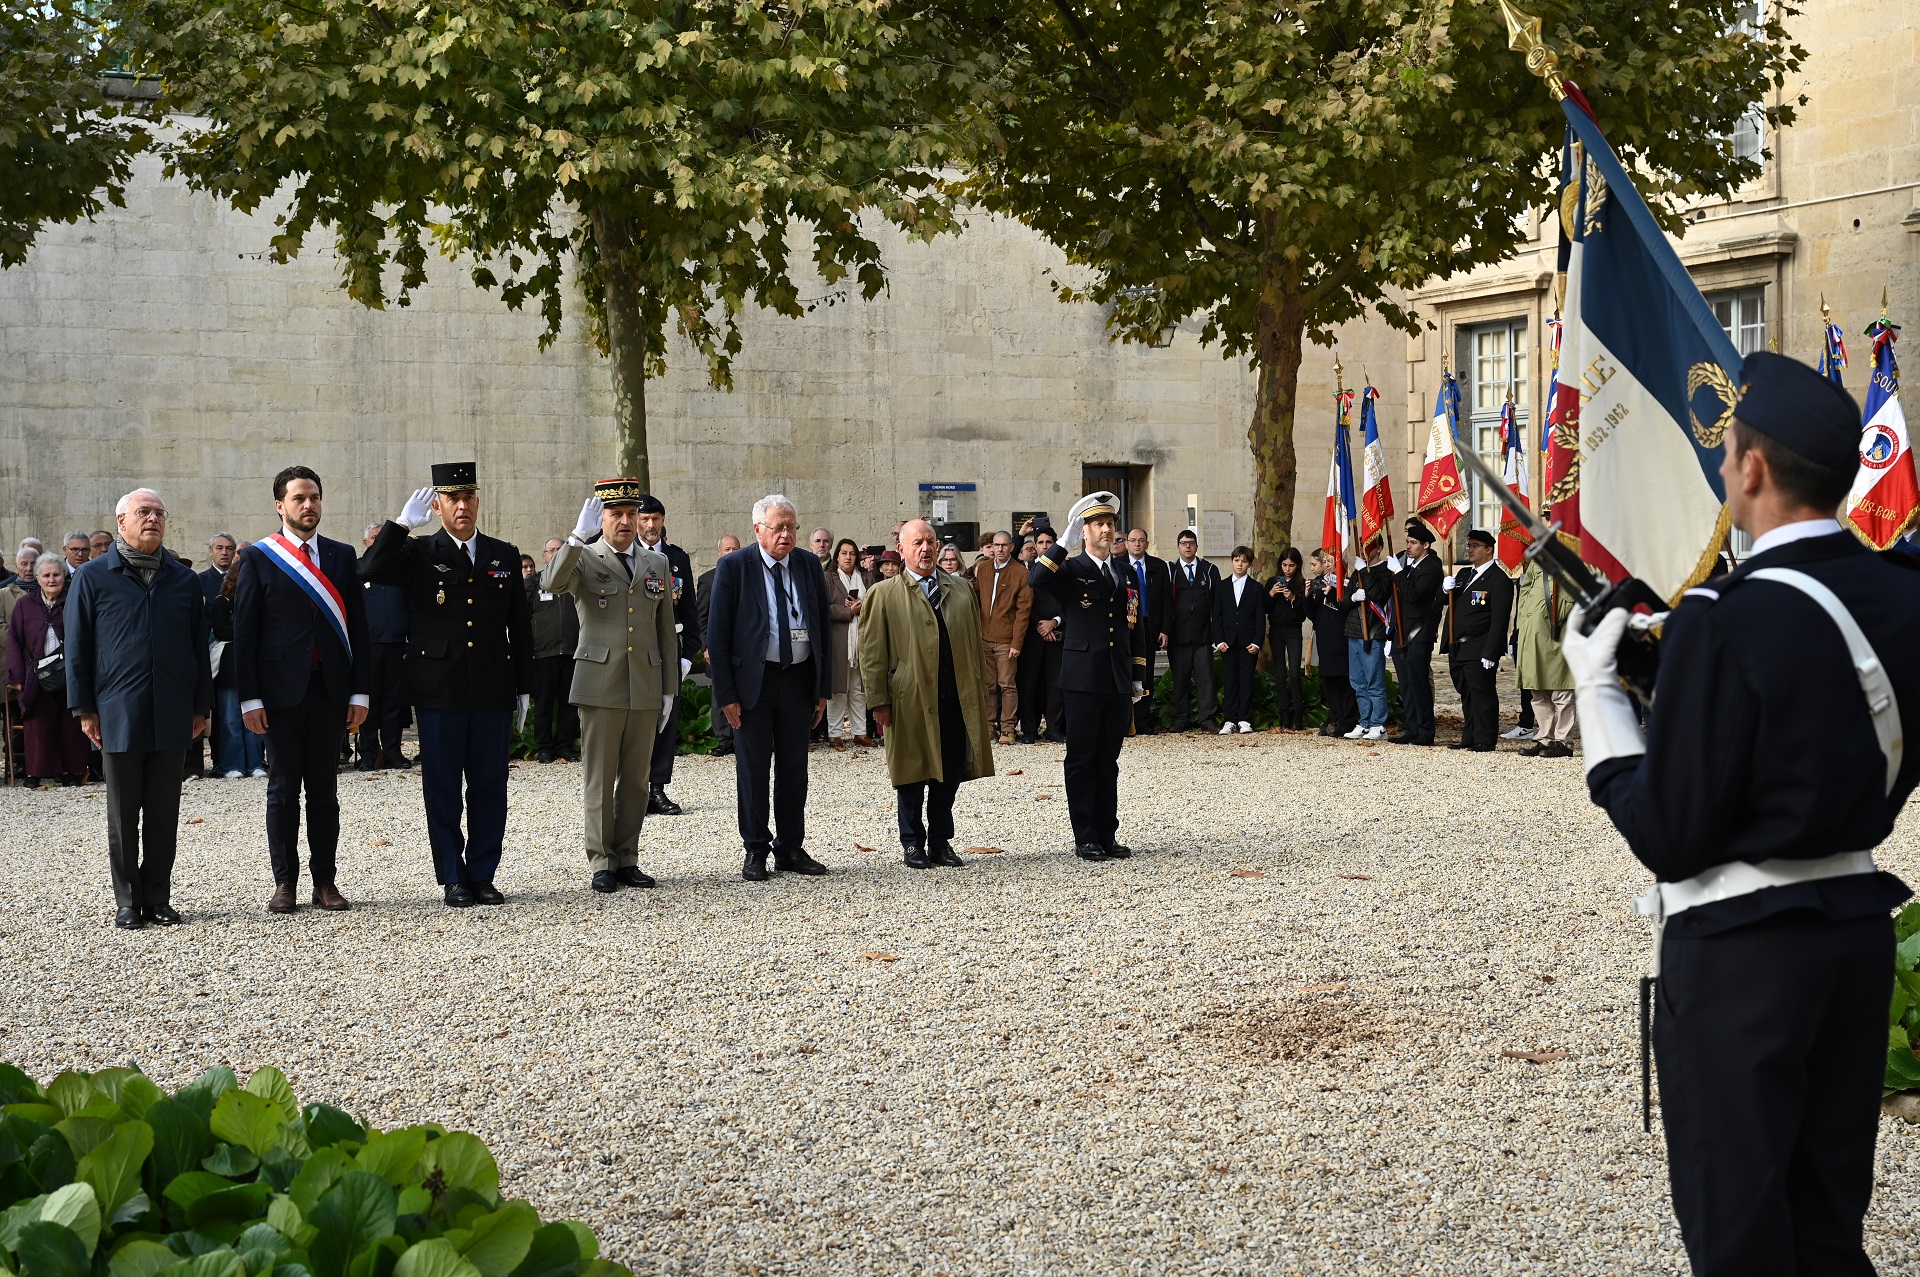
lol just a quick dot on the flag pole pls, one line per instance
(1386, 540)
(1353, 524)
(1445, 372)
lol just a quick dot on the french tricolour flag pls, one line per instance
(1336, 528)
(1442, 498)
(1514, 537)
(1886, 493)
(1376, 497)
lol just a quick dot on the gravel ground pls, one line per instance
(1271, 1042)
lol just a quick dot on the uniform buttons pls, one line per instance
(629, 649)
(469, 642)
(629, 629)
(469, 624)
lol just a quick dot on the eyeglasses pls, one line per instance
(777, 528)
(150, 512)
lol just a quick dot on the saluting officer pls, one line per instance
(1103, 663)
(624, 672)
(470, 651)
(652, 516)
(1773, 766)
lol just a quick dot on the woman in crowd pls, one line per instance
(949, 560)
(241, 752)
(847, 589)
(1286, 609)
(1330, 643)
(56, 748)
(890, 562)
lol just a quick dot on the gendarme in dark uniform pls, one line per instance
(469, 658)
(1756, 800)
(686, 623)
(1103, 659)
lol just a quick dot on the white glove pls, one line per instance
(1359, 564)
(1359, 596)
(1486, 664)
(418, 509)
(686, 668)
(1387, 651)
(1608, 728)
(666, 712)
(1394, 565)
(1139, 691)
(1447, 584)
(522, 706)
(589, 522)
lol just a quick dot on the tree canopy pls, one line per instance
(1276, 173)
(669, 154)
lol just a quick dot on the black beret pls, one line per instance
(649, 504)
(1417, 530)
(1483, 537)
(1799, 409)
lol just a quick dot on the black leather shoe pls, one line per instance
(161, 915)
(723, 750)
(129, 919)
(798, 862)
(604, 882)
(754, 867)
(1118, 851)
(631, 876)
(1058, 738)
(458, 896)
(658, 804)
(1533, 751)
(943, 854)
(915, 857)
(1557, 749)
(484, 893)
(1090, 851)
(1459, 744)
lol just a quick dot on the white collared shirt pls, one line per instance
(795, 617)
(1788, 533)
(1239, 588)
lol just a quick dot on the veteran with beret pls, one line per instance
(625, 672)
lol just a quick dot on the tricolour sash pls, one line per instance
(286, 556)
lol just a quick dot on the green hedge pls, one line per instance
(1266, 702)
(1903, 1030)
(106, 1175)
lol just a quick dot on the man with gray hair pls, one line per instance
(768, 612)
(137, 675)
(78, 547)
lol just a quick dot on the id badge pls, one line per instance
(798, 634)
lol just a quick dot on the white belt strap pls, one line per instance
(1881, 702)
(1738, 878)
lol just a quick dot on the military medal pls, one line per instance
(441, 597)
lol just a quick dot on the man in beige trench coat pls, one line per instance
(625, 672)
(922, 661)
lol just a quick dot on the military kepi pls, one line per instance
(617, 492)
(1798, 408)
(456, 476)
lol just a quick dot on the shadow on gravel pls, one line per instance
(1320, 1025)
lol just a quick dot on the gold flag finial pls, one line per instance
(1826, 312)
(1523, 36)
(1338, 384)
(1883, 303)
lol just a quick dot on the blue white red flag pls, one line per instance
(1653, 377)
(1885, 500)
(1336, 528)
(1442, 498)
(1376, 495)
(1511, 545)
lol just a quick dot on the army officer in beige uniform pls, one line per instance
(621, 680)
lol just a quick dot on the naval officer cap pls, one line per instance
(456, 476)
(1799, 409)
(619, 492)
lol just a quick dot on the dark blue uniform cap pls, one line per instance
(1798, 408)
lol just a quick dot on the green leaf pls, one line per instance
(555, 1253)
(231, 1160)
(16, 1087)
(434, 1258)
(355, 1213)
(392, 1155)
(71, 1092)
(184, 1190)
(131, 1211)
(606, 1268)
(51, 1250)
(140, 1258)
(84, 1134)
(75, 1207)
(320, 1173)
(291, 1270)
(241, 1117)
(1903, 1070)
(223, 1262)
(138, 1094)
(497, 1243)
(203, 1092)
(378, 1260)
(286, 1218)
(180, 1139)
(583, 1238)
(113, 1167)
(39, 1114)
(271, 1084)
(238, 1204)
(50, 1160)
(463, 1160)
(327, 1125)
(17, 1217)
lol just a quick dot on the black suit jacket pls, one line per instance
(1238, 624)
(1190, 608)
(277, 627)
(1482, 613)
(470, 637)
(1420, 602)
(1157, 607)
(737, 630)
(687, 614)
(1104, 644)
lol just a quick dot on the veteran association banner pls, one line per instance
(1376, 496)
(1511, 544)
(1886, 493)
(1442, 497)
(1655, 375)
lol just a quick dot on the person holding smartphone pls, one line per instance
(847, 587)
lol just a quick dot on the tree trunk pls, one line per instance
(626, 347)
(1277, 353)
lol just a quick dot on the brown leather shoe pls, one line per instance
(328, 897)
(838, 744)
(282, 900)
(864, 742)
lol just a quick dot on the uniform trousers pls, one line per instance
(1040, 687)
(1003, 688)
(143, 824)
(1771, 1041)
(556, 725)
(1414, 663)
(387, 711)
(1192, 665)
(1146, 715)
(666, 742)
(303, 741)
(1553, 715)
(617, 755)
(1336, 693)
(465, 746)
(770, 760)
(1479, 701)
(1096, 729)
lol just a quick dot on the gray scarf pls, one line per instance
(145, 564)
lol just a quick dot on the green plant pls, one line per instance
(696, 718)
(1266, 700)
(1903, 1019)
(106, 1175)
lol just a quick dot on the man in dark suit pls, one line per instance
(1481, 601)
(386, 608)
(1102, 664)
(1418, 601)
(469, 664)
(301, 666)
(769, 615)
(1190, 632)
(556, 635)
(1040, 657)
(137, 676)
(1154, 585)
(686, 621)
(703, 605)
(221, 550)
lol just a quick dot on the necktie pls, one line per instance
(1189, 574)
(927, 586)
(786, 610)
(472, 555)
(626, 561)
(306, 552)
(1140, 573)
